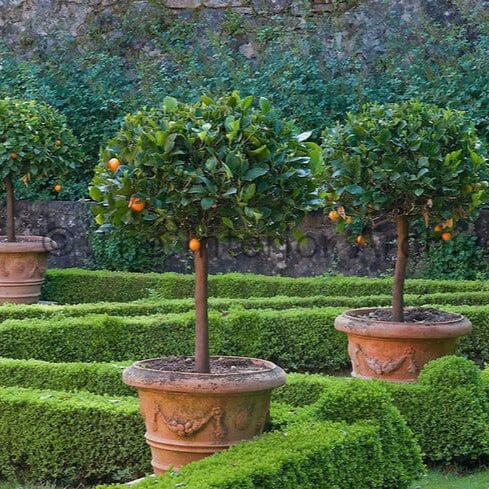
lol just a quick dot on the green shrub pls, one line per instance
(296, 339)
(97, 378)
(145, 307)
(301, 339)
(69, 286)
(448, 411)
(69, 438)
(460, 259)
(319, 455)
(355, 400)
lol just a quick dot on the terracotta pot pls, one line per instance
(22, 268)
(393, 351)
(190, 416)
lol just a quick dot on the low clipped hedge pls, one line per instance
(97, 378)
(146, 307)
(82, 438)
(297, 339)
(70, 439)
(447, 410)
(71, 286)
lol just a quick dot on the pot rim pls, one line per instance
(28, 244)
(217, 383)
(355, 324)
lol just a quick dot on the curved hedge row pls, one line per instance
(85, 438)
(70, 286)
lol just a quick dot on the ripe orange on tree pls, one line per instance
(57, 187)
(438, 228)
(136, 204)
(114, 164)
(57, 142)
(14, 156)
(334, 215)
(361, 240)
(194, 245)
(446, 236)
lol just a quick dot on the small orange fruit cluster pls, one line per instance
(440, 228)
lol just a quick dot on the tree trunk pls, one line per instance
(202, 364)
(10, 209)
(400, 272)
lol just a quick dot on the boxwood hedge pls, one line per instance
(144, 307)
(70, 439)
(300, 339)
(69, 286)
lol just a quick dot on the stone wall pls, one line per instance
(324, 251)
(24, 23)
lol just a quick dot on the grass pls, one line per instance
(437, 480)
(434, 480)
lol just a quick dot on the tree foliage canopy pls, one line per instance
(410, 159)
(34, 141)
(216, 168)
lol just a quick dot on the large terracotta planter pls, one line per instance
(22, 268)
(190, 416)
(393, 351)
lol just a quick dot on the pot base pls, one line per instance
(396, 352)
(190, 416)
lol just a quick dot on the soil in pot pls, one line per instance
(419, 315)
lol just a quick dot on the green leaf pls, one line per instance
(254, 173)
(265, 105)
(206, 203)
(170, 103)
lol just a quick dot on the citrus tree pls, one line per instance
(225, 169)
(34, 142)
(403, 162)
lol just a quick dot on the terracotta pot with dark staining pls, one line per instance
(23, 265)
(396, 351)
(190, 415)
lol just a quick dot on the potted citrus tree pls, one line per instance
(221, 169)
(34, 142)
(411, 164)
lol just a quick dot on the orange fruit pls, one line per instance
(114, 164)
(194, 245)
(136, 204)
(349, 220)
(446, 236)
(333, 215)
(361, 240)
(14, 156)
(57, 142)
(57, 187)
(438, 228)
